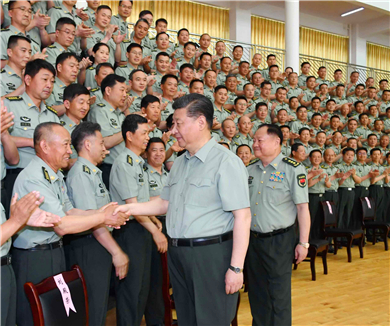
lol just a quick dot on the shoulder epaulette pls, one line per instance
(237, 136)
(5, 29)
(2, 70)
(129, 160)
(145, 168)
(291, 162)
(237, 143)
(123, 66)
(46, 174)
(86, 9)
(57, 7)
(101, 104)
(253, 161)
(14, 98)
(153, 38)
(255, 98)
(323, 166)
(95, 89)
(51, 109)
(86, 169)
(51, 46)
(228, 111)
(63, 123)
(126, 41)
(91, 68)
(253, 119)
(178, 60)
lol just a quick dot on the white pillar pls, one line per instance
(357, 47)
(292, 34)
(240, 24)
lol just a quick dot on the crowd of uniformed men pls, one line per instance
(92, 113)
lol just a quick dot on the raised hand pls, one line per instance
(82, 14)
(6, 118)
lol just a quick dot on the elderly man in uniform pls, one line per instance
(94, 250)
(278, 193)
(39, 254)
(207, 204)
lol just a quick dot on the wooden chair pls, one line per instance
(369, 221)
(47, 304)
(319, 246)
(169, 300)
(330, 230)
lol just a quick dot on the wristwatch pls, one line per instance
(236, 270)
(305, 245)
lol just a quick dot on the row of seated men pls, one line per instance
(352, 116)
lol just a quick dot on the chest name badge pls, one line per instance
(277, 176)
(250, 180)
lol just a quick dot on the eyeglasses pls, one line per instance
(24, 9)
(67, 32)
(126, 7)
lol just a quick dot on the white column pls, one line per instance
(240, 24)
(292, 34)
(357, 46)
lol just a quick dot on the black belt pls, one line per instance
(330, 190)
(6, 260)
(194, 242)
(72, 237)
(316, 195)
(271, 234)
(48, 246)
(346, 188)
(381, 186)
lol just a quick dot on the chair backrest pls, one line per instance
(368, 208)
(48, 304)
(330, 214)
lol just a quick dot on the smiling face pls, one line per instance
(185, 129)
(152, 111)
(265, 146)
(97, 148)
(156, 154)
(140, 138)
(41, 86)
(57, 148)
(244, 153)
(103, 18)
(102, 54)
(229, 128)
(78, 108)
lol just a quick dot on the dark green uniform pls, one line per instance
(202, 191)
(84, 250)
(155, 310)
(35, 265)
(275, 191)
(128, 180)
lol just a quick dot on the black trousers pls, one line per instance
(9, 182)
(95, 262)
(332, 196)
(347, 198)
(197, 275)
(155, 309)
(315, 208)
(33, 266)
(106, 170)
(387, 204)
(268, 264)
(8, 296)
(132, 292)
(357, 213)
(378, 193)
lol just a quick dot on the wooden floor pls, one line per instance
(356, 293)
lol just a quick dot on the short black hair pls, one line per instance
(161, 20)
(273, 66)
(383, 80)
(165, 77)
(338, 70)
(238, 46)
(334, 117)
(322, 67)
(302, 130)
(144, 13)
(313, 151)
(161, 33)
(271, 55)
(361, 149)
(132, 46)
(74, 90)
(154, 140)
(305, 63)
(111, 80)
(223, 58)
(301, 107)
(374, 149)
(131, 123)
(190, 43)
(133, 72)
(362, 115)
(273, 130)
(265, 82)
(243, 145)
(330, 100)
(315, 98)
(295, 147)
(310, 77)
(242, 62)
(316, 115)
(196, 105)
(186, 65)
(148, 99)
(216, 89)
(240, 98)
(14, 39)
(182, 30)
(348, 149)
(40, 130)
(195, 81)
(103, 64)
(207, 71)
(161, 54)
(35, 66)
(97, 46)
(170, 121)
(141, 20)
(259, 104)
(372, 135)
(101, 7)
(82, 131)
(64, 21)
(65, 56)
(203, 54)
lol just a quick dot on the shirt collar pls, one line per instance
(108, 104)
(59, 82)
(31, 104)
(202, 153)
(10, 71)
(68, 120)
(153, 170)
(274, 164)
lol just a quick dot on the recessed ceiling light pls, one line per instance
(352, 12)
